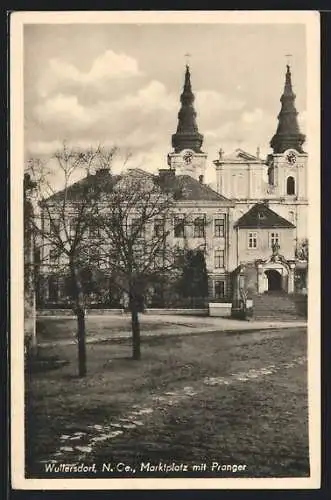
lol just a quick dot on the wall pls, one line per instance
(242, 180)
(295, 212)
(210, 242)
(264, 250)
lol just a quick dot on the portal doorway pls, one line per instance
(274, 280)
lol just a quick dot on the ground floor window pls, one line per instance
(53, 288)
(219, 289)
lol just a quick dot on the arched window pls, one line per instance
(290, 185)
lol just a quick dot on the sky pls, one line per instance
(119, 84)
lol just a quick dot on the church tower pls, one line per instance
(287, 165)
(187, 156)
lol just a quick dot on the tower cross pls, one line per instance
(187, 58)
(288, 58)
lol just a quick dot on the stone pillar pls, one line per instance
(290, 286)
(260, 279)
(29, 267)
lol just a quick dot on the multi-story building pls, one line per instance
(199, 220)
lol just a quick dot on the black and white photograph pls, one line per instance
(165, 249)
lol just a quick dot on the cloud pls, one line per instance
(212, 100)
(152, 97)
(302, 119)
(250, 117)
(137, 119)
(225, 131)
(60, 74)
(62, 109)
(43, 147)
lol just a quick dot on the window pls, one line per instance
(179, 227)
(68, 289)
(95, 254)
(37, 256)
(75, 226)
(72, 229)
(199, 227)
(291, 216)
(179, 257)
(219, 289)
(54, 227)
(219, 259)
(274, 239)
(138, 256)
(219, 226)
(53, 288)
(54, 256)
(159, 258)
(94, 232)
(159, 228)
(137, 227)
(290, 186)
(252, 240)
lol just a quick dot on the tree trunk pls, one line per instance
(81, 337)
(135, 332)
(80, 314)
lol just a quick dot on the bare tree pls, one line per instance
(62, 227)
(134, 227)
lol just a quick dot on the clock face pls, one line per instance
(291, 158)
(188, 156)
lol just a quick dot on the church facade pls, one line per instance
(268, 220)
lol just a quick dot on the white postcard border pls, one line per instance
(18, 19)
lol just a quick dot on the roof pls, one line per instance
(185, 187)
(191, 189)
(77, 189)
(239, 156)
(261, 216)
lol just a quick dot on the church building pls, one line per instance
(269, 216)
(280, 180)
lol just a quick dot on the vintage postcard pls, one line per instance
(165, 242)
